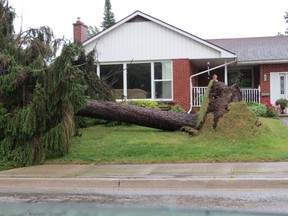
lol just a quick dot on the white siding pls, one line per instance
(274, 87)
(139, 41)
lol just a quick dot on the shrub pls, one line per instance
(257, 109)
(271, 110)
(143, 103)
(177, 108)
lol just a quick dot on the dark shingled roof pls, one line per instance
(257, 48)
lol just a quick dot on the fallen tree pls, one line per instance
(218, 97)
(40, 92)
(154, 118)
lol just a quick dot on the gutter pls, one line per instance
(253, 62)
(205, 71)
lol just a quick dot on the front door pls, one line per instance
(278, 86)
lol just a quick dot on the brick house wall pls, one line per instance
(182, 70)
(265, 85)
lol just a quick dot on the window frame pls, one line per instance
(153, 80)
(237, 70)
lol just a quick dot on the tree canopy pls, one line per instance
(92, 30)
(108, 19)
(286, 19)
(40, 91)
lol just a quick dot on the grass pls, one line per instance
(135, 144)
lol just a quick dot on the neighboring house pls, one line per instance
(145, 58)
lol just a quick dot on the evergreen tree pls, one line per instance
(108, 19)
(92, 30)
(286, 19)
(40, 92)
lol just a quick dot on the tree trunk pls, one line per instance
(220, 96)
(159, 119)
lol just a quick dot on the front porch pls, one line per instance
(249, 95)
(227, 72)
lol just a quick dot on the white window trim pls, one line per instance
(153, 81)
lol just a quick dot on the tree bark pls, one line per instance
(165, 120)
(220, 96)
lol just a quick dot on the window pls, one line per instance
(163, 80)
(282, 84)
(139, 81)
(113, 76)
(246, 80)
(151, 80)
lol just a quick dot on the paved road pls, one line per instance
(248, 186)
(249, 200)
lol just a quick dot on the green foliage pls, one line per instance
(282, 102)
(257, 109)
(108, 19)
(40, 92)
(144, 103)
(177, 108)
(92, 31)
(156, 105)
(84, 122)
(204, 105)
(268, 110)
(7, 16)
(286, 19)
(271, 110)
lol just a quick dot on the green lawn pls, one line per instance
(135, 144)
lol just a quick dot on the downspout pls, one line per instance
(206, 71)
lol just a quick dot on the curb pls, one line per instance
(172, 184)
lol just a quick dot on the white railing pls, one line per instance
(249, 95)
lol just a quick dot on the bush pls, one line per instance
(271, 110)
(268, 110)
(257, 109)
(177, 108)
(143, 103)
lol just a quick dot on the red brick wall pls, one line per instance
(265, 86)
(182, 70)
(79, 31)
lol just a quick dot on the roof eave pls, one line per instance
(258, 62)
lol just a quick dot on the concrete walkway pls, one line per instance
(284, 118)
(153, 176)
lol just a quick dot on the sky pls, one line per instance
(207, 19)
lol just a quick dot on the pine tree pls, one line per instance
(108, 19)
(286, 19)
(92, 31)
(40, 92)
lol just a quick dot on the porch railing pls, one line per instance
(249, 95)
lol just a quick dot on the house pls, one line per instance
(145, 58)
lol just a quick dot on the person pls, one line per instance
(214, 77)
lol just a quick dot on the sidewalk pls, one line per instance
(153, 176)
